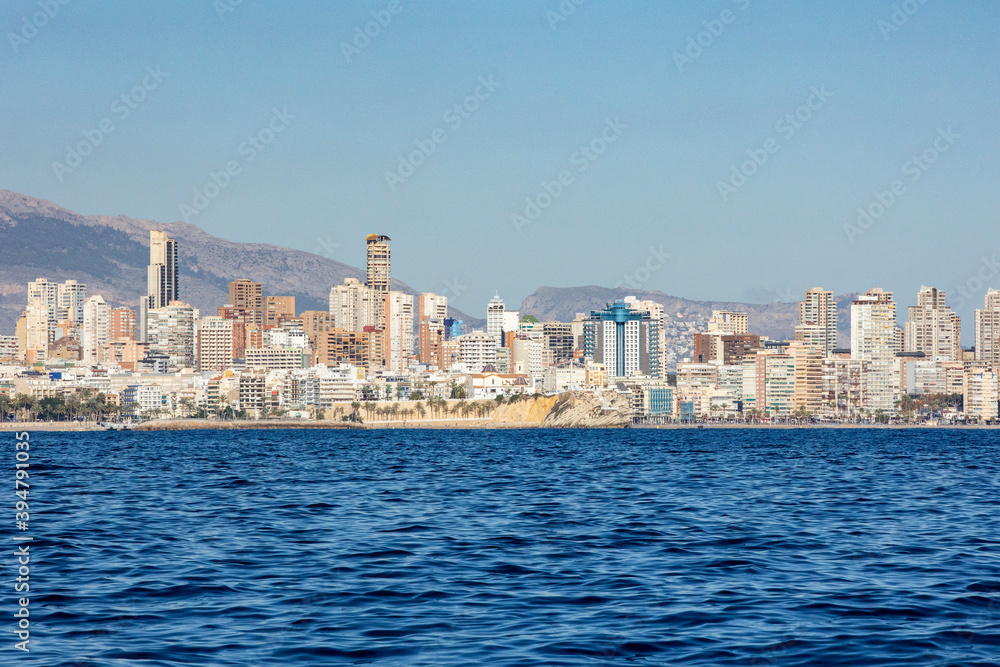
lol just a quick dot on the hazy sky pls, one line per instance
(631, 115)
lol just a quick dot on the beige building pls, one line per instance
(729, 322)
(352, 306)
(980, 396)
(278, 309)
(398, 331)
(875, 337)
(216, 343)
(379, 280)
(933, 328)
(247, 296)
(819, 310)
(988, 329)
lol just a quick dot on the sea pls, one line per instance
(510, 547)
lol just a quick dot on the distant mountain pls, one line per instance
(39, 239)
(776, 320)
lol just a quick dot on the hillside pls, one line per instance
(40, 239)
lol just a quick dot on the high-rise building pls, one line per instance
(988, 329)
(495, 313)
(819, 309)
(122, 324)
(378, 274)
(247, 295)
(433, 313)
(933, 328)
(314, 322)
(71, 297)
(874, 338)
(398, 311)
(626, 341)
(981, 395)
(170, 331)
(476, 351)
(358, 348)
(49, 304)
(557, 337)
(277, 309)
(96, 327)
(352, 306)
(216, 343)
(161, 277)
(729, 322)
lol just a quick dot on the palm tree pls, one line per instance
(421, 410)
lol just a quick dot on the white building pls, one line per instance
(495, 319)
(96, 327)
(171, 331)
(981, 395)
(352, 306)
(476, 350)
(988, 328)
(819, 309)
(933, 328)
(398, 331)
(874, 338)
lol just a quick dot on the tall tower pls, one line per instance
(819, 309)
(247, 295)
(933, 328)
(378, 273)
(988, 328)
(161, 277)
(874, 338)
(495, 310)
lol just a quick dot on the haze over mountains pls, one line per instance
(110, 254)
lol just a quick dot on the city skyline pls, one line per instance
(696, 139)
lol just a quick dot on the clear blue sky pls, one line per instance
(321, 183)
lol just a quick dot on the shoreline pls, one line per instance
(446, 424)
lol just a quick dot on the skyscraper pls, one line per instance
(398, 311)
(247, 295)
(495, 311)
(352, 306)
(378, 273)
(933, 328)
(819, 309)
(96, 327)
(433, 312)
(626, 341)
(161, 277)
(874, 338)
(988, 329)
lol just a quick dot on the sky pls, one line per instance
(725, 150)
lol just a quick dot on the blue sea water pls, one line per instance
(537, 547)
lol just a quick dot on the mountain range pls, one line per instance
(110, 254)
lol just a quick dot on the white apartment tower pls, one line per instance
(352, 306)
(874, 338)
(495, 312)
(96, 327)
(398, 330)
(819, 309)
(933, 328)
(988, 329)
